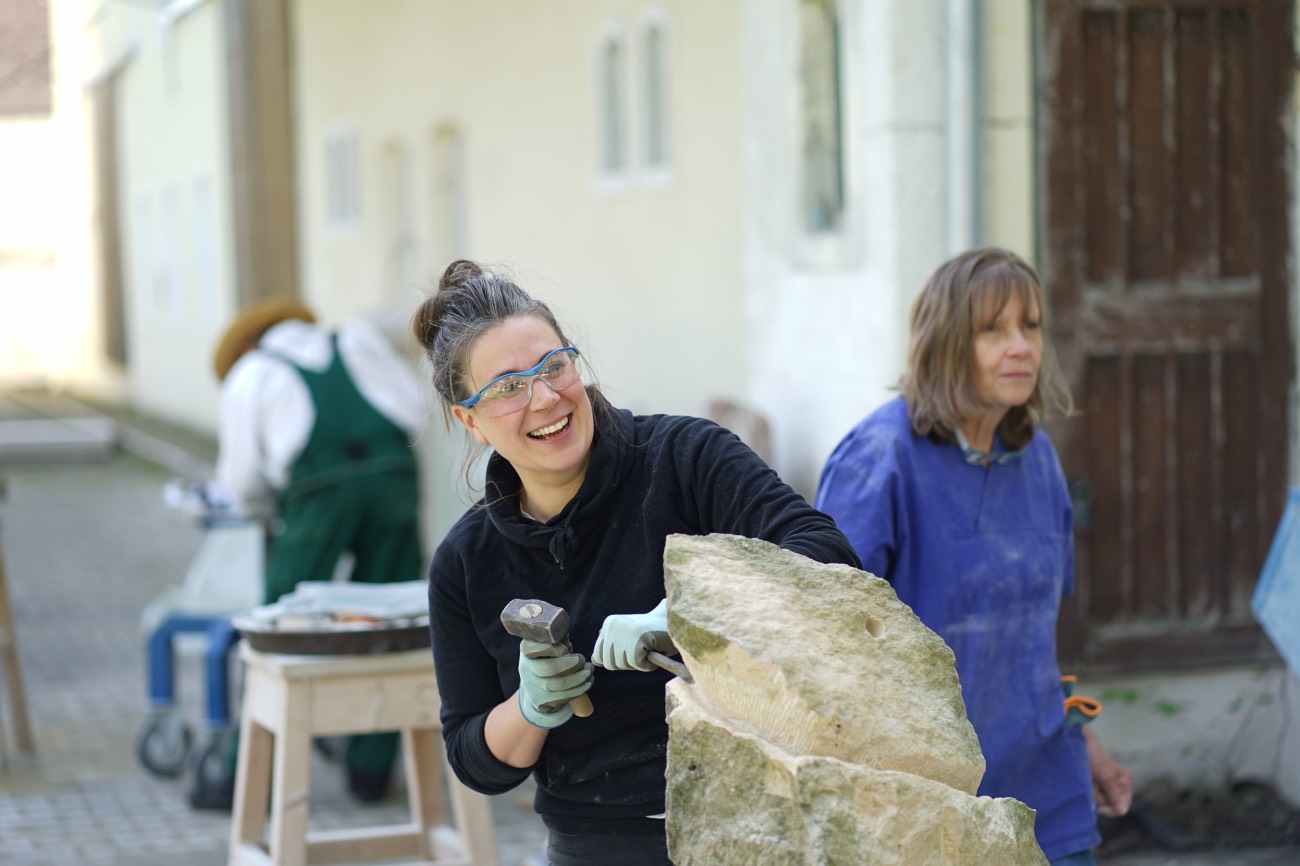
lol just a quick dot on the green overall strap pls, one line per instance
(349, 438)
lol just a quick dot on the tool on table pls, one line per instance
(537, 620)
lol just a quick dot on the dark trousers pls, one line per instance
(646, 846)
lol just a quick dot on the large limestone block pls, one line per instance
(820, 660)
(736, 800)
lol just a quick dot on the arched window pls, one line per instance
(822, 116)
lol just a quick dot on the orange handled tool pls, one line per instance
(1078, 709)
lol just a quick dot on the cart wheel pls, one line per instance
(213, 783)
(164, 744)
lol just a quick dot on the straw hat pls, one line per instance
(248, 327)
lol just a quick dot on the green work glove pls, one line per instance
(627, 638)
(550, 675)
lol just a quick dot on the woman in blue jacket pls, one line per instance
(579, 499)
(954, 495)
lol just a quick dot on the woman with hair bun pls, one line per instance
(579, 499)
(954, 495)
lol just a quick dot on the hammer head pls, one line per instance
(534, 619)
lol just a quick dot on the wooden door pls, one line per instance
(1165, 226)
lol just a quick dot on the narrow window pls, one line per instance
(613, 141)
(823, 132)
(342, 179)
(656, 97)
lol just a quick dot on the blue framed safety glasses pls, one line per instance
(511, 392)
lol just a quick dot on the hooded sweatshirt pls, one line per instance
(648, 477)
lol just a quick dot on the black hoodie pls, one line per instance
(649, 477)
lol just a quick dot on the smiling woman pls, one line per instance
(579, 499)
(544, 430)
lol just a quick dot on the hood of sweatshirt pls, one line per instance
(564, 536)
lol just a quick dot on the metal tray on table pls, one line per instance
(329, 638)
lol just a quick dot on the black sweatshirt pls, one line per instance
(649, 477)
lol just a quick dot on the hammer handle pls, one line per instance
(581, 706)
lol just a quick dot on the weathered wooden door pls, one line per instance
(1165, 233)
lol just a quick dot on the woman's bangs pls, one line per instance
(992, 289)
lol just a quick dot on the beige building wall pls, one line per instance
(473, 128)
(174, 193)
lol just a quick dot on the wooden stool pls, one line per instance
(288, 700)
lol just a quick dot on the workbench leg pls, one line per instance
(13, 671)
(291, 783)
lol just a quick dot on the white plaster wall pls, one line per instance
(828, 317)
(174, 142)
(646, 275)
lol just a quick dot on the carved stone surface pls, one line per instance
(825, 724)
(734, 798)
(818, 659)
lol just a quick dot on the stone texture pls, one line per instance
(750, 802)
(825, 724)
(818, 659)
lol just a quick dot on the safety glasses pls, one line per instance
(511, 392)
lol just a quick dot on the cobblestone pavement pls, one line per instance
(86, 546)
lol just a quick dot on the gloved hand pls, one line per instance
(627, 638)
(550, 675)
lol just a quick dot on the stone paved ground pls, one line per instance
(86, 546)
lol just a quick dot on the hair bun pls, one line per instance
(458, 273)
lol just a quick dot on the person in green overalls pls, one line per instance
(315, 436)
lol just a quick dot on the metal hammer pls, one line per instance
(536, 620)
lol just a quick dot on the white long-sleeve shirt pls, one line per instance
(267, 413)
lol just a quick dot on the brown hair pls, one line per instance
(963, 294)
